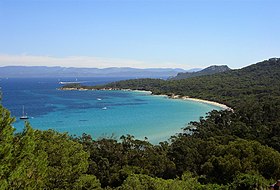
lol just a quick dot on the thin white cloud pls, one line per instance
(80, 61)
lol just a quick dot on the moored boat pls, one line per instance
(24, 115)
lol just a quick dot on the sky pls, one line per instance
(138, 33)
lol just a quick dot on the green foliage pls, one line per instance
(66, 158)
(189, 153)
(6, 146)
(141, 84)
(41, 159)
(29, 165)
(250, 181)
(224, 150)
(72, 85)
(207, 71)
(254, 94)
(241, 156)
(21, 165)
(237, 88)
(112, 161)
(87, 182)
(145, 182)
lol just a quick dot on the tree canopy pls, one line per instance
(225, 150)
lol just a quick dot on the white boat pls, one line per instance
(69, 82)
(24, 115)
(104, 108)
(99, 99)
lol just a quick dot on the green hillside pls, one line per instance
(207, 71)
(258, 82)
(225, 150)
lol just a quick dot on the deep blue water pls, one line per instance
(77, 112)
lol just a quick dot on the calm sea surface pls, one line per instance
(98, 113)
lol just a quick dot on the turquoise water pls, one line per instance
(100, 113)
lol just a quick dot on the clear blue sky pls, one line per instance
(139, 33)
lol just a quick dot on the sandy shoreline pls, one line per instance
(173, 96)
(211, 103)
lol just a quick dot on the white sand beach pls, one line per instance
(209, 102)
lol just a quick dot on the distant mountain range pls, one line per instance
(42, 71)
(207, 71)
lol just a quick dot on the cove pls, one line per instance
(101, 113)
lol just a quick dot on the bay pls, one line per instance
(98, 113)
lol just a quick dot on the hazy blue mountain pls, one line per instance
(207, 71)
(42, 71)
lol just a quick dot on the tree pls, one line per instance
(241, 156)
(6, 146)
(87, 182)
(67, 161)
(29, 166)
(250, 181)
(21, 165)
(145, 182)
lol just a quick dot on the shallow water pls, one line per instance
(98, 113)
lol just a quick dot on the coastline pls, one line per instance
(173, 96)
(210, 102)
(223, 106)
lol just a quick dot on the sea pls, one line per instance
(101, 114)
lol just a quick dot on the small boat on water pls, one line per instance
(99, 99)
(104, 108)
(69, 82)
(24, 115)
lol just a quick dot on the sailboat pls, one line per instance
(24, 116)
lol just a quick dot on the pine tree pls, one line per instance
(29, 168)
(6, 145)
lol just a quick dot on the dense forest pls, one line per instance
(207, 71)
(237, 149)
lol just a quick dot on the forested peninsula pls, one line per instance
(225, 150)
